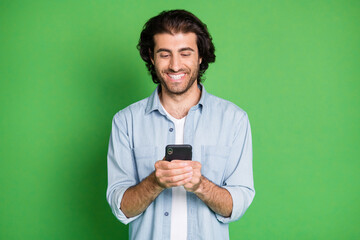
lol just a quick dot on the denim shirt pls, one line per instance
(219, 133)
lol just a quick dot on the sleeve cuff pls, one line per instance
(239, 204)
(115, 206)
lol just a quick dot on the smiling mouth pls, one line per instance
(176, 76)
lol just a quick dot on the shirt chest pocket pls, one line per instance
(145, 158)
(214, 161)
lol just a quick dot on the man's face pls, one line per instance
(176, 60)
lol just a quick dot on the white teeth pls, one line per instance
(176, 77)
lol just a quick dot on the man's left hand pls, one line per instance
(195, 181)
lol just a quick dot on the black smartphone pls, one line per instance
(178, 152)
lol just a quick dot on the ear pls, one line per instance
(151, 57)
(200, 60)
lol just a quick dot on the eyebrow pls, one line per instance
(180, 50)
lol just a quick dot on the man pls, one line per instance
(180, 199)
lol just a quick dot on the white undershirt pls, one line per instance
(179, 203)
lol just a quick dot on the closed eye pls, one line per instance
(185, 54)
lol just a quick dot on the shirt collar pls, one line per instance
(154, 100)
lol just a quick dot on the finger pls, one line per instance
(175, 181)
(196, 165)
(163, 165)
(185, 162)
(176, 172)
(181, 182)
(196, 177)
(178, 164)
(177, 178)
(171, 165)
(192, 185)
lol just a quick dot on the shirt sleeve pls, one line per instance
(239, 174)
(121, 167)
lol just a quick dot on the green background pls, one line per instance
(66, 67)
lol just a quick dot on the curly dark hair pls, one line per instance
(175, 21)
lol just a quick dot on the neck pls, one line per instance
(178, 105)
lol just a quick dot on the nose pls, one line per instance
(175, 63)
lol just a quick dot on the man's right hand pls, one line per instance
(167, 174)
(173, 174)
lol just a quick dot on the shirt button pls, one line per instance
(166, 214)
(171, 129)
